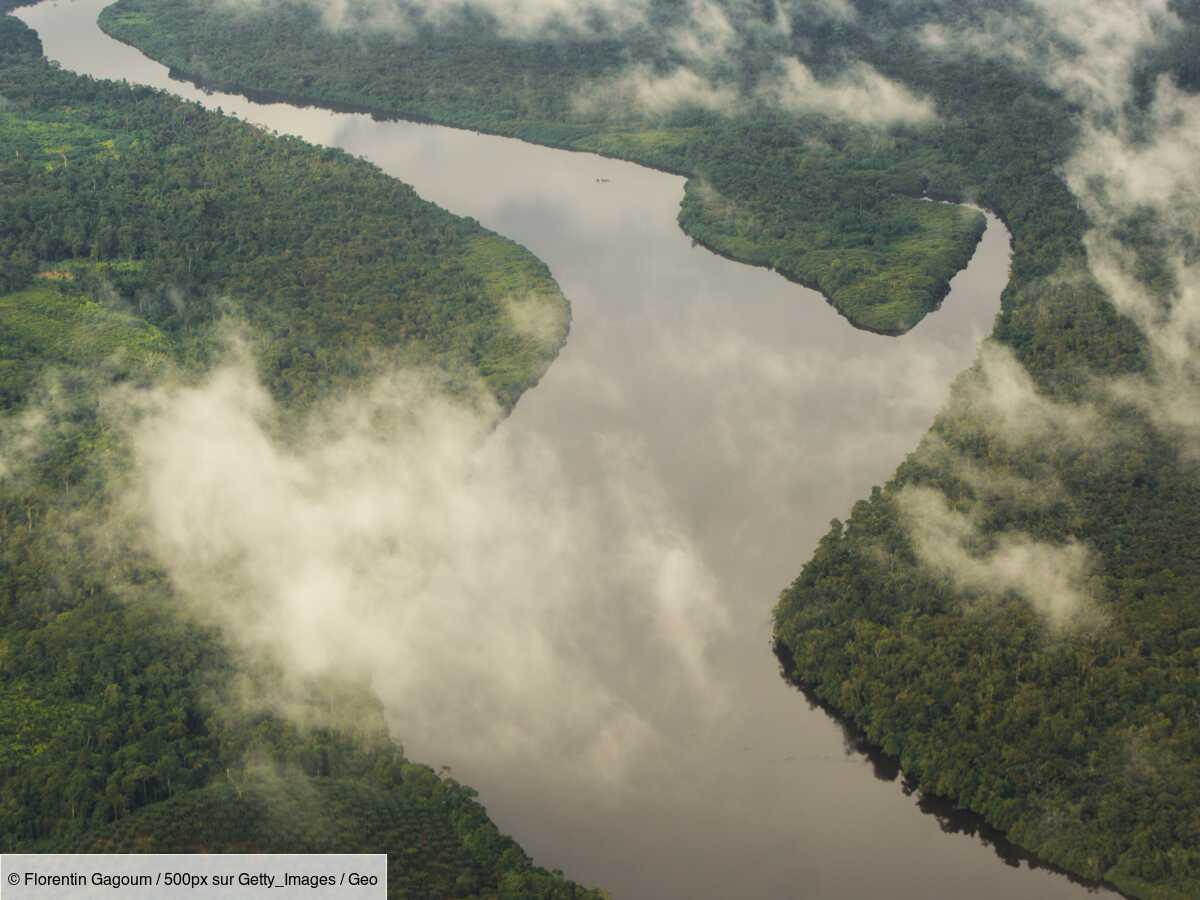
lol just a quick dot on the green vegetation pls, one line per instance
(330, 261)
(1083, 745)
(439, 841)
(131, 226)
(884, 288)
(45, 326)
(833, 207)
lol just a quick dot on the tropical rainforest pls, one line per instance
(133, 229)
(837, 208)
(1081, 741)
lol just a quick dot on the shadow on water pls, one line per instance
(952, 819)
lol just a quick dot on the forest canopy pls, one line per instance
(1014, 615)
(833, 205)
(135, 228)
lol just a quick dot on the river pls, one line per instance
(757, 414)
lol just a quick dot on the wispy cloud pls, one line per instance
(1052, 578)
(1017, 433)
(858, 94)
(398, 537)
(640, 90)
(705, 43)
(1132, 163)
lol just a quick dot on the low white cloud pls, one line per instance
(1052, 578)
(512, 18)
(1000, 398)
(22, 435)
(537, 317)
(1083, 48)
(642, 91)
(707, 35)
(1142, 165)
(858, 94)
(1024, 432)
(399, 537)
(709, 39)
(1101, 42)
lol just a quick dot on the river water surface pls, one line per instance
(758, 414)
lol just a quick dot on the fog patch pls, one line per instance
(1000, 398)
(1016, 434)
(642, 91)
(536, 317)
(1099, 44)
(400, 536)
(712, 42)
(519, 19)
(1052, 578)
(1133, 170)
(22, 435)
(707, 36)
(858, 94)
(1143, 168)
(59, 399)
(993, 485)
(1085, 49)
(708, 40)
(704, 29)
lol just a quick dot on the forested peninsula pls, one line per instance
(835, 207)
(1082, 743)
(135, 228)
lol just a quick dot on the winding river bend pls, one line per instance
(758, 414)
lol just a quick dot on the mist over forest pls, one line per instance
(269, 506)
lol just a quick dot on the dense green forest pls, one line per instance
(439, 840)
(839, 212)
(133, 225)
(1082, 744)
